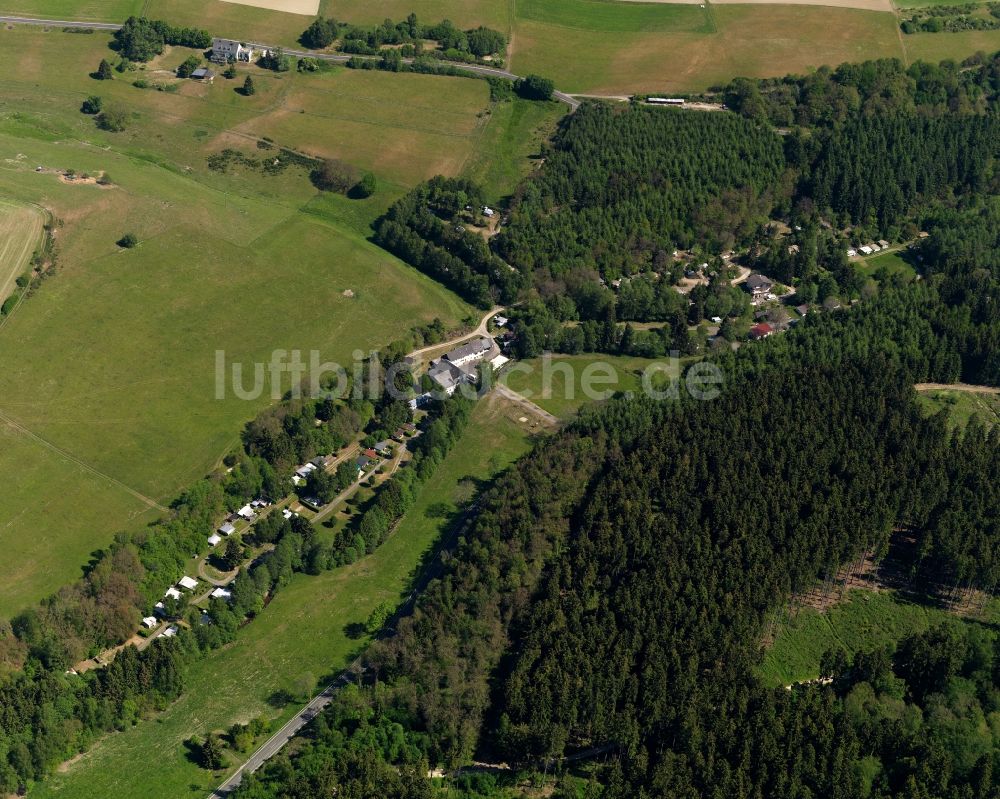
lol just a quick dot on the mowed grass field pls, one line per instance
(47, 501)
(113, 360)
(892, 262)
(301, 635)
(87, 10)
(864, 621)
(558, 384)
(20, 233)
(686, 48)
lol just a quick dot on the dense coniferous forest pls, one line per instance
(622, 188)
(611, 596)
(872, 147)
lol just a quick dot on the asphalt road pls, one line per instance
(477, 69)
(277, 741)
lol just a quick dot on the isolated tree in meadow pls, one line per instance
(334, 175)
(103, 70)
(248, 87)
(92, 105)
(128, 241)
(211, 753)
(230, 72)
(190, 64)
(113, 118)
(365, 187)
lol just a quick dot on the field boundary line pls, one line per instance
(12, 423)
(710, 17)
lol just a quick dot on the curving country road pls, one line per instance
(481, 330)
(477, 69)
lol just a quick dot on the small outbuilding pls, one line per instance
(227, 529)
(188, 583)
(149, 622)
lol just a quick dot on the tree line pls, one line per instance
(454, 43)
(142, 39)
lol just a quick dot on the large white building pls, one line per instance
(226, 50)
(470, 351)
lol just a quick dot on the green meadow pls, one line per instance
(111, 363)
(299, 640)
(558, 383)
(604, 16)
(962, 406)
(864, 621)
(892, 262)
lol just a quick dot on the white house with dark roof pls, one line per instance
(758, 285)
(474, 350)
(226, 50)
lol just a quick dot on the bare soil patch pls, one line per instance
(864, 5)
(305, 7)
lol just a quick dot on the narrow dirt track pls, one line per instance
(957, 387)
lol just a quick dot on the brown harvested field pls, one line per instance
(400, 125)
(466, 14)
(232, 20)
(866, 5)
(739, 40)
